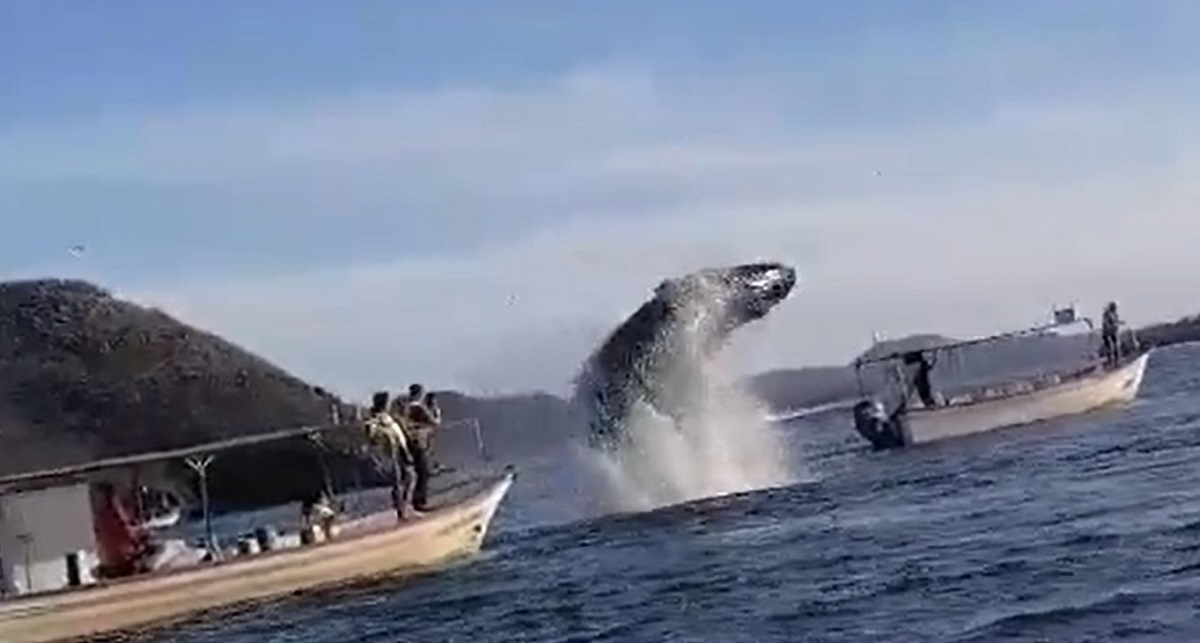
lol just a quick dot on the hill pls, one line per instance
(1186, 329)
(84, 375)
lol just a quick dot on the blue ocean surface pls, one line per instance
(1082, 529)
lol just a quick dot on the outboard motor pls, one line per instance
(873, 423)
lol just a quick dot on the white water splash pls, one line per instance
(726, 445)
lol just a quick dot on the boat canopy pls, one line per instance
(1062, 317)
(68, 474)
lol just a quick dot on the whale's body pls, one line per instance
(655, 358)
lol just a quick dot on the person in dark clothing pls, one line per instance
(435, 414)
(420, 420)
(1109, 328)
(921, 379)
(431, 403)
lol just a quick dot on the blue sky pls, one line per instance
(532, 169)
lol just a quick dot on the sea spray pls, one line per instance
(722, 444)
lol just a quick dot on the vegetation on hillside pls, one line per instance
(84, 375)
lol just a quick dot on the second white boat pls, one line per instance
(1032, 400)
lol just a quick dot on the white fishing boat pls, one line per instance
(48, 543)
(1048, 395)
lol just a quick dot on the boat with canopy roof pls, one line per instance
(48, 542)
(919, 415)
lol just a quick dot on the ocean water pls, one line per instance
(1082, 529)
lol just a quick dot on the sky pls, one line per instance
(472, 193)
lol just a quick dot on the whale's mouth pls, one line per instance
(764, 285)
(778, 291)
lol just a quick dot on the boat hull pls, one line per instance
(1079, 395)
(371, 547)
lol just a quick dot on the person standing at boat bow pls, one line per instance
(1109, 327)
(382, 429)
(420, 417)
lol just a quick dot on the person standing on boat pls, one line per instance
(383, 429)
(921, 378)
(435, 413)
(1109, 328)
(420, 420)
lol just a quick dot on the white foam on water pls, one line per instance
(726, 445)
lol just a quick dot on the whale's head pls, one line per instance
(735, 295)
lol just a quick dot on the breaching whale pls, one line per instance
(656, 356)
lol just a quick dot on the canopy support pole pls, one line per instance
(199, 464)
(326, 471)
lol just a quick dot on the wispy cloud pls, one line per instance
(590, 189)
